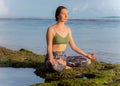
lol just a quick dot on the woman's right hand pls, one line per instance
(52, 61)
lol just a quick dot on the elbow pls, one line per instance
(49, 49)
(74, 48)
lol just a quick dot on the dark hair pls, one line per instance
(58, 10)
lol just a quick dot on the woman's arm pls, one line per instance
(49, 38)
(78, 50)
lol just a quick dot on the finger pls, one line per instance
(95, 58)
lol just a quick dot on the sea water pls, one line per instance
(98, 36)
(18, 77)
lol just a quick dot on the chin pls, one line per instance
(65, 20)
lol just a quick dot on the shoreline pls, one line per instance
(97, 73)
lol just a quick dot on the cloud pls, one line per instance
(75, 9)
(80, 8)
(84, 7)
(102, 6)
(3, 8)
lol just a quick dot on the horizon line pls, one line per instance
(20, 18)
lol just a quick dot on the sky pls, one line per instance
(78, 9)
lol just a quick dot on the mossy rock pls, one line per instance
(21, 58)
(95, 74)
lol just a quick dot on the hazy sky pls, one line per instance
(46, 8)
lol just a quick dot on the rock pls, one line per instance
(95, 74)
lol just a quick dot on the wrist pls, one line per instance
(86, 55)
(50, 58)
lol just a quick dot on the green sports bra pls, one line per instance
(60, 40)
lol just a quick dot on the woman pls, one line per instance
(58, 36)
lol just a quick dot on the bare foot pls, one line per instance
(67, 67)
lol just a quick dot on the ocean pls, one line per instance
(98, 36)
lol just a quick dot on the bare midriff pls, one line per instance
(59, 47)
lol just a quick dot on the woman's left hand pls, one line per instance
(91, 56)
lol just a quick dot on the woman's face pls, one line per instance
(63, 16)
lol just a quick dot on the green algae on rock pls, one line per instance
(22, 58)
(96, 74)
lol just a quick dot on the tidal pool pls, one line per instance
(18, 77)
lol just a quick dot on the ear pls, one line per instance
(57, 16)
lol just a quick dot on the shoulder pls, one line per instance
(51, 29)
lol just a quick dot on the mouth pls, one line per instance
(65, 19)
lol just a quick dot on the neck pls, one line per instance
(61, 24)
